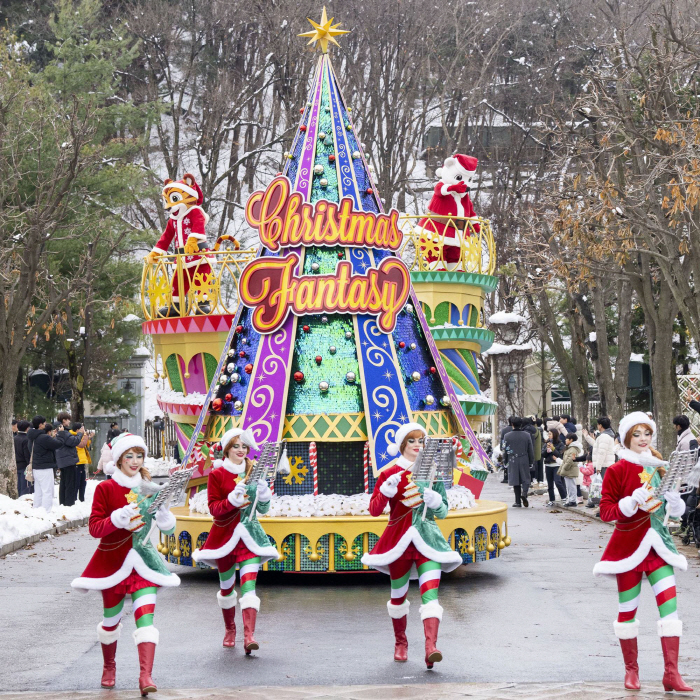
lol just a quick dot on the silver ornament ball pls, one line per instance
(412, 346)
(429, 400)
(445, 401)
(231, 353)
(318, 169)
(235, 377)
(322, 135)
(350, 377)
(238, 406)
(324, 319)
(356, 155)
(315, 267)
(323, 182)
(323, 386)
(332, 349)
(415, 376)
(230, 367)
(348, 335)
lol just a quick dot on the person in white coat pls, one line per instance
(604, 449)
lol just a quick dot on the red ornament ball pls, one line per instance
(301, 111)
(369, 190)
(217, 404)
(402, 344)
(433, 370)
(306, 329)
(248, 369)
(241, 353)
(298, 376)
(302, 127)
(341, 255)
(239, 329)
(319, 359)
(228, 397)
(331, 158)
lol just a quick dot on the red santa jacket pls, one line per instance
(116, 557)
(232, 524)
(633, 537)
(190, 222)
(446, 203)
(403, 530)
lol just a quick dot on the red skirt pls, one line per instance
(132, 583)
(651, 562)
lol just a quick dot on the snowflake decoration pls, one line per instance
(202, 287)
(297, 471)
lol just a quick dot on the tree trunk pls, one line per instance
(8, 467)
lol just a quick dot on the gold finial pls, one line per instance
(324, 32)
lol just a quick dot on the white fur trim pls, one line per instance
(165, 520)
(226, 602)
(628, 506)
(250, 601)
(245, 435)
(447, 560)
(209, 556)
(626, 630)
(396, 612)
(651, 539)
(108, 636)
(670, 628)
(394, 448)
(124, 442)
(431, 609)
(230, 467)
(109, 468)
(146, 634)
(632, 419)
(133, 562)
(217, 463)
(128, 482)
(645, 459)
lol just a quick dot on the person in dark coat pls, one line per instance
(67, 460)
(43, 464)
(504, 432)
(554, 449)
(520, 456)
(113, 431)
(22, 457)
(529, 427)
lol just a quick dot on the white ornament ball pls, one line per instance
(323, 386)
(429, 400)
(445, 401)
(318, 169)
(415, 376)
(244, 341)
(348, 335)
(323, 182)
(287, 154)
(412, 346)
(230, 367)
(355, 154)
(235, 377)
(409, 308)
(324, 319)
(322, 135)
(350, 377)
(223, 379)
(238, 406)
(315, 267)
(231, 353)
(332, 349)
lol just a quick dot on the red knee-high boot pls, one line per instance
(146, 639)
(108, 640)
(227, 603)
(399, 618)
(627, 633)
(431, 614)
(250, 605)
(670, 632)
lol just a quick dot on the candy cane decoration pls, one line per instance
(313, 459)
(366, 464)
(457, 444)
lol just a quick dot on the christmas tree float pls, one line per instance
(329, 349)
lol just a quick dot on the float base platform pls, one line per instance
(335, 544)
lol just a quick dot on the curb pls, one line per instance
(55, 530)
(586, 512)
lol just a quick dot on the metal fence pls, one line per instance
(161, 441)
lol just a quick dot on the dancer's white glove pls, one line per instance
(432, 499)
(676, 505)
(237, 496)
(628, 505)
(390, 487)
(165, 520)
(641, 495)
(122, 517)
(264, 493)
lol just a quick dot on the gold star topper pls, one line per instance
(132, 497)
(324, 32)
(645, 477)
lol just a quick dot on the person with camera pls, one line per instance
(67, 458)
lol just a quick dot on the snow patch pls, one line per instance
(636, 357)
(506, 317)
(501, 349)
(192, 399)
(159, 467)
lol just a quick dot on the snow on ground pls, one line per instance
(19, 518)
(308, 506)
(159, 467)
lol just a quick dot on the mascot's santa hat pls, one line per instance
(188, 184)
(468, 163)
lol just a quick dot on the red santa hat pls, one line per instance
(187, 184)
(467, 162)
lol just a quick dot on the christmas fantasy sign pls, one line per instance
(270, 286)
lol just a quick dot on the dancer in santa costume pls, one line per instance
(236, 538)
(641, 544)
(411, 547)
(126, 563)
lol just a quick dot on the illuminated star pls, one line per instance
(365, 343)
(364, 265)
(273, 416)
(385, 344)
(377, 415)
(383, 456)
(388, 374)
(324, 31)
(261, 376)
(402, 418)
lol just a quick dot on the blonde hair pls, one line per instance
(413, 434)
(628, 438)
(145, 474)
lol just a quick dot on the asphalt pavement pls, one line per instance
(535, 615)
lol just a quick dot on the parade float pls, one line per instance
(346, 322)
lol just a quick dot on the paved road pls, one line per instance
(535, 615)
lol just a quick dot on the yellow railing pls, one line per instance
(424, 239)
(209, 293)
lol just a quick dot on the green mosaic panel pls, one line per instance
(210, 365)
(172, 366)
(288, 564)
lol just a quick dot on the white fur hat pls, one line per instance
(395, 447)
(245, 435)
(632, 419)
(120, 444)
